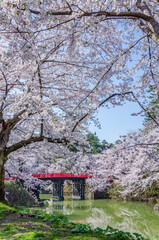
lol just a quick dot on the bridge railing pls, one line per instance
(61, 175)
(55, 175)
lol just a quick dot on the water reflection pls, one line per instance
(68, 207)
(127, 216)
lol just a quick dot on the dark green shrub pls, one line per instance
(18, 195)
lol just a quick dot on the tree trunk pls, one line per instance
(4, 137)
(2, 177)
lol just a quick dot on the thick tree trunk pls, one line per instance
(4, 137)
(2, 177)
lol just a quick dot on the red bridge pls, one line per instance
(61, 175)
(57, 179)
(66, 176)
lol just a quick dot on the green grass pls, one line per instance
(4, 207)
(5, 210)
(20, 224)
(45, 196)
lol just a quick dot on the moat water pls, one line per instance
(127, 216)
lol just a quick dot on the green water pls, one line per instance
(128, 216)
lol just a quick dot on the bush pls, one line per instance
(115, 192)
(151, 193)
(16, 194)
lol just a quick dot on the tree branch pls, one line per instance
(41, 96)
(145, 110)
(99, 105)
(151, 26)
(107, 99)
(85, 13)
(138, 145)
(107, 71)
(13, 121)
(31, 140)
(150, 58)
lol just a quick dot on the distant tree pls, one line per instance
(96, 145)
(153, 108)
(118, 141)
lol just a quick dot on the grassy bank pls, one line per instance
(20, 223)
(150, 194)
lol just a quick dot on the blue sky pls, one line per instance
(117, 121)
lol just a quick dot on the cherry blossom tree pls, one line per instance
(133, 163)
(62, 60)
